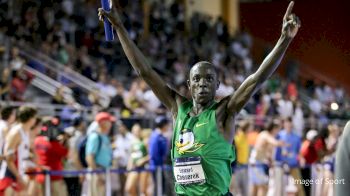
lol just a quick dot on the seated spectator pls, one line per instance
(19, 84)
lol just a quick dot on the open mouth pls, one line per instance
(203, 93)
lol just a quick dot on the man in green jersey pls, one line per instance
(203, 131)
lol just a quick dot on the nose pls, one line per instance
(203, 83)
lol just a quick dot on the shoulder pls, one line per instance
(14, 132)
(93, 136)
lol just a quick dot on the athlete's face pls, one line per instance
(203, 82)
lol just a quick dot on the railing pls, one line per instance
(59, 69)
(49, 85)
(107, 172)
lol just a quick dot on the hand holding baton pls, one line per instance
(106, 5)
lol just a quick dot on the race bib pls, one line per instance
(189, 170)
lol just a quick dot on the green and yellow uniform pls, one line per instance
(200, 154)
(138, 151)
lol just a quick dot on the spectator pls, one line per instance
(240, 177)
(76, 133)
(315, 105)
(99, 153)
(5, 84)
(289, 154)
(261, 157)
(298, 119)
(122, 151)
(19, 84)
(158, 146)
(51, 149)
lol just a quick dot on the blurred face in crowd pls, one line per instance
(287, 125)
(136, 131)
(203, 82)
(105, 126)
(276, 129)
(122, 128)
(37, 127)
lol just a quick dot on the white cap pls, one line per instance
(311, 134)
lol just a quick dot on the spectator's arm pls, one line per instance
(90, 159)
(273, 141)
(91, 150)
(76, 160)
(253, 83)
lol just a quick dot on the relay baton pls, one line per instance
(108, 26)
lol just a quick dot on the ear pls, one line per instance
(188, 84)
(217, 85)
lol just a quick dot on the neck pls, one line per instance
(199, 108)
(26, 127)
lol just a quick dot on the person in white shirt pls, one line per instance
(17, 150)
(121, 154)
(8, 117)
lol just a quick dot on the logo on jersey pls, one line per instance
(186, 142)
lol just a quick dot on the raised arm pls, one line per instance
(291, 24)
(166, 95)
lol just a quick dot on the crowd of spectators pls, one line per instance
(68, 32)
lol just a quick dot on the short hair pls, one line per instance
(25, 113)
(272, 124)
(161, 121)
(244, 125)
(203, 63)
(6, 112)
(288, 119)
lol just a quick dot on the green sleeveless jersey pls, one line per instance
(201, 156)
(138, 151)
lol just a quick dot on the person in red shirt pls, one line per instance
(50, 149)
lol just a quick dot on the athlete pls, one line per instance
(203, 130)
(17, 153)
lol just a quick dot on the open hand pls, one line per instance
(291, 22)
(112, 16)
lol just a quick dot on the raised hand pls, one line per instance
(291, 22)
(112, 16)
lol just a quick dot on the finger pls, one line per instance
(289, 10)
(298, 21)
(291, 17)
(288, 23)
(100, 10)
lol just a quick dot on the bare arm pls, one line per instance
(90, 159)
(166, 95)
(290, 28)
(273, 141)
(13, 139)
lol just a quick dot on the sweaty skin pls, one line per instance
(203, 81)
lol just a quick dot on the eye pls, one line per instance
(196, 79)
(210, 78)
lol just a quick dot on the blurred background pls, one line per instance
(54, 56)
